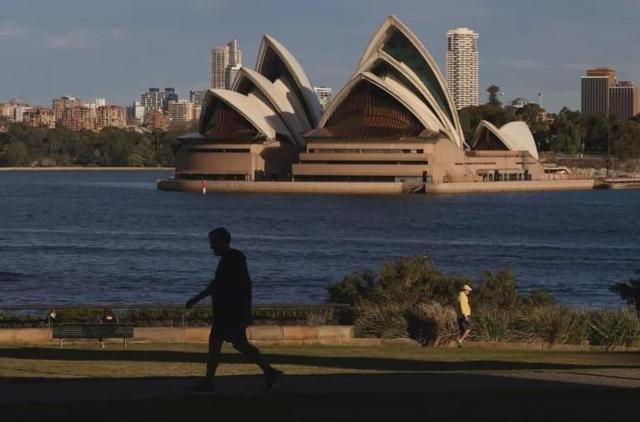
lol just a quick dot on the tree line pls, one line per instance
(568, 132)
(24, 145)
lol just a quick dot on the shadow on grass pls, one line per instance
(341, 362)
(351, 397)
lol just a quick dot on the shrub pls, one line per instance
(536, 298)
(352, 288)
(497, 290)
(407, 280)
(493, 325)
(552, 324)
(385, 320)
(432, 324)
(612, 328)
(629, 292)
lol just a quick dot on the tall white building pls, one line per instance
(462, 67)
(224, 64)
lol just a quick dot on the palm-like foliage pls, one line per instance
(629, 292)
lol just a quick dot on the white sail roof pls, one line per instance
(303, 87)
(395, 89)
(416, 84)
(515, 136)
(396, 39)
(256, 112)
(278, 98)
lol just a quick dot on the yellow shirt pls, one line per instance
(463, 301)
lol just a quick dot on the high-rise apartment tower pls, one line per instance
(224, 64)
(462, 66)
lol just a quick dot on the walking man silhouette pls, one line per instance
(230, 292)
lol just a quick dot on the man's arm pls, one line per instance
(197, 298)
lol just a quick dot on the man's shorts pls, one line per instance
(232, 333)
(464, 323)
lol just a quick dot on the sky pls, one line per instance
(116, 49)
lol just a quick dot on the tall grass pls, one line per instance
(614, 328)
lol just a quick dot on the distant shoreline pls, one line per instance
(10, 169)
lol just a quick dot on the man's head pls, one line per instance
(219, 240)
(467, 289)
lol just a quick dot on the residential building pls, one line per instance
(462, 67)
(110, 116)
(196, 111)
(196, 96)
(157, 99)
(58, 105)
(39, 116)
(324, 96)
(156, 120)
(78, 118)
(13, 111)
(230, 75)
(135, 114)
(225, 61)
(180, 111)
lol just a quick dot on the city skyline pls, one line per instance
(526, 48)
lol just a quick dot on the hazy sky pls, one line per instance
(118, 48)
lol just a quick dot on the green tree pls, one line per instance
(629, 292)
(626, 140)
(534, 116)
(494, 92)
(598, 130)
(568, 132)
(16, 154)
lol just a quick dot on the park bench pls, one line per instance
(92, 331)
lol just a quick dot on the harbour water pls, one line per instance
(111, 237)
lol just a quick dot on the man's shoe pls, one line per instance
(459, 343)
(271, 379)
(204, 386)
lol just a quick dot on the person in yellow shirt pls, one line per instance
(464, 314)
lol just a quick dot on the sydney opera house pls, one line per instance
(393, 122)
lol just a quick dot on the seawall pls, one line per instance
(259, 334)
(364, 188)
(93, 168)
(373, 188)
(528, 186)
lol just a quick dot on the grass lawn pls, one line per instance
(179, 360)
(152, 360)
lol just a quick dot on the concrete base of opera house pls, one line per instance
(522, 186)
(374, 188)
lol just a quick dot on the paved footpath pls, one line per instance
(56, 390)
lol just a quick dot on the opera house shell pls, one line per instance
(393, 121)
(255, 130)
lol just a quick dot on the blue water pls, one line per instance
(96, 237)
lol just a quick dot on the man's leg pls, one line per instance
(213, 359)
(252, 354)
